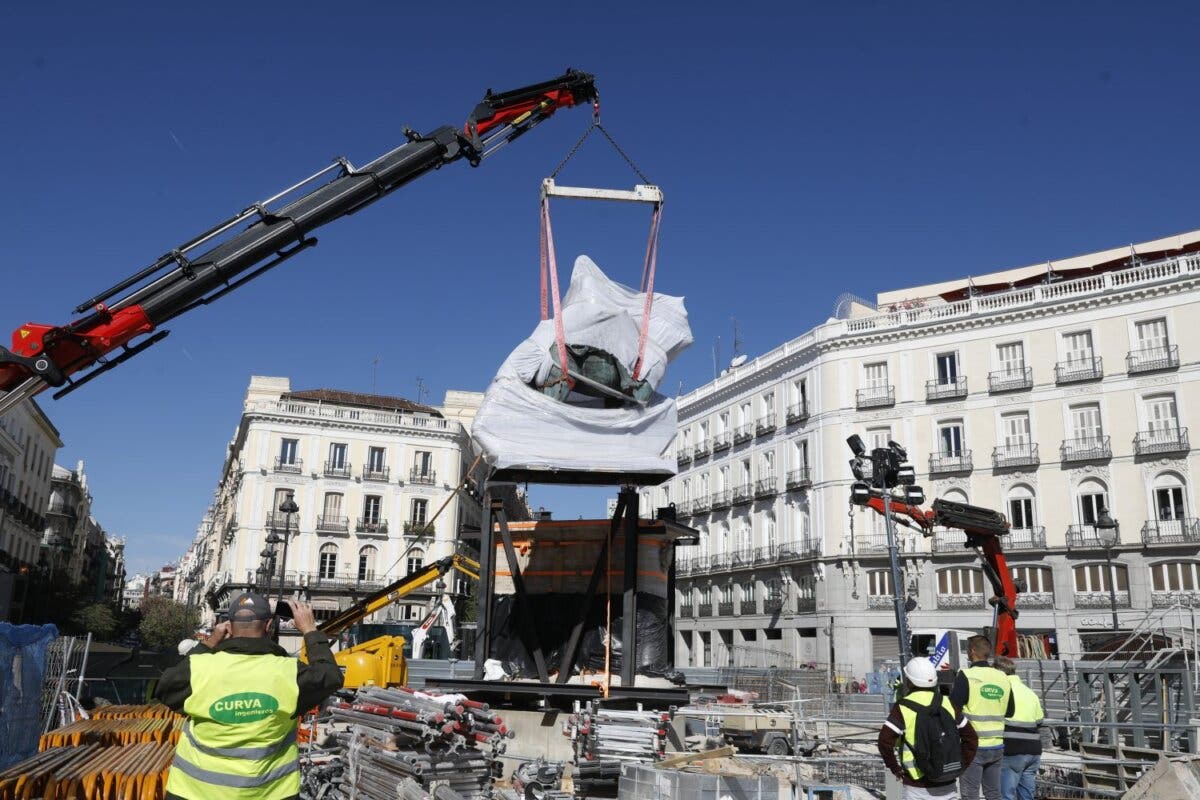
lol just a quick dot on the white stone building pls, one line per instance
(1046, 392)
(368, 473)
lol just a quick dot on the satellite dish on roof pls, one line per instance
(737, 361)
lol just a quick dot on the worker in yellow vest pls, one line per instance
(898, 738)
(242, 693)
(982, 691)
(1022, 738)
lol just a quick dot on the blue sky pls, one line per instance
(805, 150)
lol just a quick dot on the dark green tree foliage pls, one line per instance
(165, 623)
(97, 619)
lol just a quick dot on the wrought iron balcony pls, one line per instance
(294, 466)
(701, 504)
(871, 542)
(684, 566)
(683, 508)
(718, 562)
(748, 607)
(1008, 456)
(800, 550)
(742, 557)
(702, 448)
(943, 463)
(725, 609)
(1035, 600)
(721, 442)
(1010, 380)
(766, 487)
(423, 476)
(1084, 537)
(806, 605)
(334, 469)
(415, 528)
(704, 610)
(278, 521)
(1082, 369)
(951, 602)
(721, 499)
(684, 455)
(772, 605)
(1025, 538)
(743, 433)
(939, 389)
(686, 610)
(799, 478)
(1171, 531)
(1171, 599)
(1165, 440)
(1152, 359)
(328, 523)
(1090, 448)
(765, 425)
(742, 494)
(1099, 599)
(950, 540)
(876, 397)
(376, 474)
(379, 526)
(797, 413)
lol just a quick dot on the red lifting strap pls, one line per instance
(549, 275)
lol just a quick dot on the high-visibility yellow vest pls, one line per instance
(987, 703)
(239, 742)
(920, 697)
(1027, 713)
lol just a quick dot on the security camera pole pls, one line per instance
(888, 470)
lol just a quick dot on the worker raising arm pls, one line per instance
(242, 693)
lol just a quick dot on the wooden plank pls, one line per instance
(683, 759)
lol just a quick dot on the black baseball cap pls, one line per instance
(249, 606)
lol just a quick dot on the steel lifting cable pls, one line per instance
(549, 265)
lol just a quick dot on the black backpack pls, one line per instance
(936, 746)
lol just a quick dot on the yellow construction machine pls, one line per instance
(381, 661)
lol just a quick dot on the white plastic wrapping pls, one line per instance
(517, 426)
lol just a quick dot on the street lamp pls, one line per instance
(1108, 532)
(288, 507)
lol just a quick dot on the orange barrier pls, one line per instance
(120, 731)
(91, 772)
(152, 711)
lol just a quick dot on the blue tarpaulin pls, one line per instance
(22, 667)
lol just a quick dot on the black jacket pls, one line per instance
(317, 679)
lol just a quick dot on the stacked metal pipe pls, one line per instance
(605, 737)
(427, 745)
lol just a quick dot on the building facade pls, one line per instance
(28, 443)
(369, 474)
(1047, 392)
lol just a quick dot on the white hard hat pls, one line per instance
(921, 672)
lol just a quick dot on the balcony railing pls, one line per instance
(958, 601)
(1152, 359)
(1171, 531)
(766, 487)
(684, 455)
(704, 610)
(743, 433)
(794, 551)
(871, 542)
(414, 528)
(1082, 369)
(765, 425)
(419, 475)
(742, 494)
(1036, 600)
(875, 397)
(1025, 538)
(806, 605)
(379, 526)
(277, 521)
(1084, 537)
(1165, 440)
(376, 473)
(367, 581)
(686, 610)
(334, 469)
(725, 609)
(329, 523)
(721, 442)
(702, 448)
(1010, 380)
(797, 413)
(939, 389)
(799, 478)
(721, 499)
(701, 504)
(683, 508)
(294, 466)
(1189, 599)
(748, 607)
(742, 557)
(1008, 456)
(772, 605)
(942, 463)
(1100, 599)
(1090, 448)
